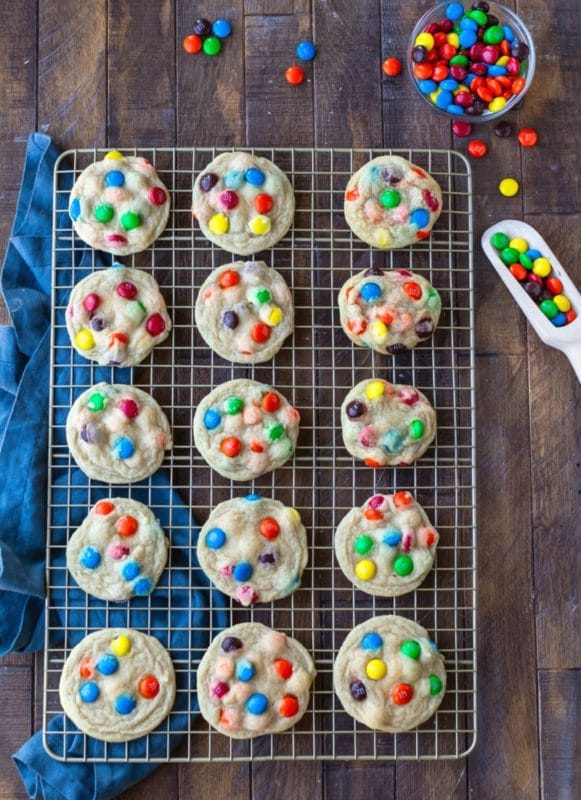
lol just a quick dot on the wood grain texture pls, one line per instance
(16, 692)
(559, 695)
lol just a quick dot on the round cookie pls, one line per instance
(244, 429)
(389, 674)
(118, 551)
(253, 549)
(244, 203)
(386, 547)
(386, 424)
(117, 316)
(117, 433)
(253, 681)
(245, 311)
(389, 311)
(119, 205)
(390, 203)
(117, 684)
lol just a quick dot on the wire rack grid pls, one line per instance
(314, 370)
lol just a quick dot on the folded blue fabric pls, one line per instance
(183, 608)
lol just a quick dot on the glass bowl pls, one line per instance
(506, 17)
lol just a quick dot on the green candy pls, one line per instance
(499, 240)
(417, 429)
(479, 17)
(509, 255)
(434, 301)
(234, 405)
(262, 295)
(363, 545)
(411, 649)
(493, 35)
(525, 261)
(104, 212)
(390, 198)
(435, 685)
(403, 565)
(96, 402)
(275, 432)
(211, 46)
(461, 60)
(130, 220)
(135, 310)
(549, 308)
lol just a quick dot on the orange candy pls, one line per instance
(256, 447)
(412, 289)
(269, 528)
(271, 402)
(357, 326)
(419, 172)
(260, 332)
(494, 86)
(518, 85)
(295, 75)
(192, 44)
(528, 137)
(352, 194)
(387, 318)
(126, 526)
(231, 446)
(477, 148)
(402, 499)
(518, 271)
(289, 706)
(430, 538)
(423, 71)
(371, 462)
(571, 315)
(372, 514)
(86, 667)
(118, 337)
(283, 668)
(485, 94)
(401, 694)
(391, 67)
(103, 507)
(554, 285)
(440, 73)
(229, 278)
(263, 203)
(148, 687)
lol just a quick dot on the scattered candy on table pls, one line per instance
(306, 51)
(468, 63)
(391, 67)
(477, 148)
(534, 272)
(207, 36)
(508, 187)
(528, 137)
(503, 130)
(461, 129)
(295, 75)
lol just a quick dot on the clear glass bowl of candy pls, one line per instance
(472, 61)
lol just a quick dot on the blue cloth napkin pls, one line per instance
(183, 608)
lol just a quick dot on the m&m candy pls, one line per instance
(295, 75)
(528, 137)
(508, 187)
(391, 67)
(192, 44)
(477, 148)
(306, 51)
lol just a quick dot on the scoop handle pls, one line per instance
(573, 353)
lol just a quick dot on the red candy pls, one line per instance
(126, 526)
(148, 687)
(91, 302)
(269, 528)
(553, 284)
(231, 446)
(127, 290)
(283, 668)
(192, 44)
(519, 272)
(86, 667)
(155, 325)
(271, 402)
(263, 203)
(372, 514)
(391, 67)
(260, 332)
(156, 196)
(295, 75)
(402, 499)
(462, 129)
(528, 137)
(229, 278)
(477, 148)
(412, 289)
(103, 507)
(256, 447)
(229, 199)
(129, 407)
(401, 694)
(289, 706)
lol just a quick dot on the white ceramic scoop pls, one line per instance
(566, 338)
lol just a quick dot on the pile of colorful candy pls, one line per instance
(207, 36)
(306, 51)
(534, 271)
(468, 62)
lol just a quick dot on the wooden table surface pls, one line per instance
(110, 73)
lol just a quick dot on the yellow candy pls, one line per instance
(113, 155)
(260, 225)
(218, 224)
(295, 514)
(121, 646)
(378, 329)
(374, 390)
(519, 244)
(433, 95)
(461, 88)
(383, 238)
(502, 61)
(425, 40)
(376, 669)
(275, 316)
(563, 303)
(365, 569)
(453, 39)
(496, 104)
(85, 340)
(541, 267)
(508, 186)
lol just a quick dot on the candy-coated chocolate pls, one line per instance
(411, 649)
(148, 687)
(121, 645)
(402, 693)
(289, 706)
(257, 704)
(376, 669)
(192, 43)
(107, 664)
(222, 28)
(403, 565)
(125, 704)
(295, 75)
(202, 27)
(358, 690)
(212, 46)
(365, 569)
(508, 187)
(391, 67)
(306, 50)
(89, 692)
(528, 137)
(477, 148)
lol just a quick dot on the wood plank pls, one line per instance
(15, 690)
(432, 780)
(163, 783)
(141, 73)
(72, 66)
(215, 781)
(559, 699)
(276, 7)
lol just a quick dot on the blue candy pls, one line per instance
(444, 99)
(257, 704)
(392, 537)
(90, 558)
(392, 441)
(117, 265)
(467, 38)
(244, 670)
(494, 69)
(469, 78)
(130, 570)
(89, 692)
(252, 497)
(454, 11)
(534, 254)
(449, 84)
(242, 571)
(123, 447)
(215, 538)
(420, 217)
(370, 292)
(143, 587)
(222, 28)
(427, 86)
(114, 178)
(371, 641)
(75, 209)
(125, 704)
(468, 24)
(454, 109)
(254, 176)
(508, 33)
(107, 664)
(306, 51)
(234, 180)
(559, 319)
(212, 419)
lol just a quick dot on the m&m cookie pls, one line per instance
(245, 311)
(386, 424)
(116, 316)
(244, 203)
(119, 204)
(117, 684)
(389, 674)
(390, 202)
(117, 433)
(253, 549)
(386, 547)
(389, 311)
(118, 551)
(253, 680)
(244, 429)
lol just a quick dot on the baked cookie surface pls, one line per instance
(117, 316)
(387, 546)
(244, 312)
(119, 205)
(117, 684)
(253, 549)
(254, 680)
(117, 433)
(390, 202)
(389, 674)
(244, 203)
(386, 424)
(118, 551)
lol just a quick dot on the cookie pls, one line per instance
(253, 681)
(390, 202)
(253, 549)
(244, 429)
(117, 316)
(119, 205)
(386, 547)
(117, 684)
(118, 551)
(244, 203)
(386, 424)
(117, 433)
(244, 312)
(389, 311)
(389, 674)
